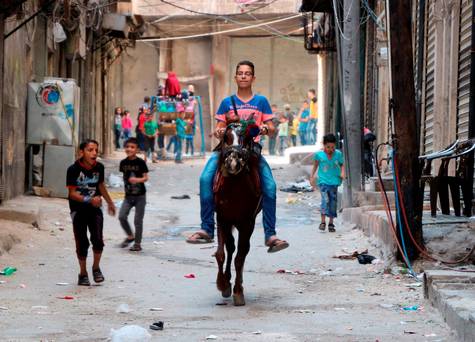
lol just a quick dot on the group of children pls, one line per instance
(85, 181)
(148, 133)
(290, 125)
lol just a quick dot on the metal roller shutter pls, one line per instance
(463, 86)
(429, 80)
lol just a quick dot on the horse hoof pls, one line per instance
(227, 292)
(239, 300)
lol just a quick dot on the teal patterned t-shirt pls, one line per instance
(329, 170)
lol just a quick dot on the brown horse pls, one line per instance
(237, 202)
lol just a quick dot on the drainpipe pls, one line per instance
(420, 64)
(471, 106)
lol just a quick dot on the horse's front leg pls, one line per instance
(243, 249)
(230, 248)
(220, 257)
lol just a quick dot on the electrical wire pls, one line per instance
(276, 31)
(337, 21)
(401, 206)
(399, 199)
(278, 34)
(387, 208)
(419, 248)
(399, 222)
(219, 32)
(215, 14)
(273, 31)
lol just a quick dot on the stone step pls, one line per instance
(453, 294)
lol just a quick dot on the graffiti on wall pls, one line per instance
(292, 93)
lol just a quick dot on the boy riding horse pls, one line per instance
(248, 106)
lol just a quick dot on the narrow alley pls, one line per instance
(346, 126)
(321, 299)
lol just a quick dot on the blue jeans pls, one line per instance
(272, 143)
(294, 140)
(170, 142)
(303, 137)
(269, 196)
(282, 144)
(329, 199)
(190, 145)
(312, 132)
(126, 134)
(178, 147)
(117, 134)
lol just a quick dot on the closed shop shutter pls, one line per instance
(463, 87)
(429, 80)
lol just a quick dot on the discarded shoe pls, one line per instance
(157, 326)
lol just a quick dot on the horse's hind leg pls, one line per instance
(230, 247)
(243, 249)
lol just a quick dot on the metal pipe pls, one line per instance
(471, 105)
(348, 193)
(420, 64)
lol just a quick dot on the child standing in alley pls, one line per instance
(331, 173)
(283, 133)
(180, 135)
(135, 173)
(85, 182)
(150, 132)
(126, 126)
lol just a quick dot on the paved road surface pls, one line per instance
(335, 300)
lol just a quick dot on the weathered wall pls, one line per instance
(16, 75)
(158, 8)
(138, 67)
(193, 58)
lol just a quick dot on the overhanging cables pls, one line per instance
(216, 14)
(154, 39)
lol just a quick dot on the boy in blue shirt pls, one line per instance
(303, 125)
(180, 135)
(331, 172)
(248, 106)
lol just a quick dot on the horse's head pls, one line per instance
(236, 146)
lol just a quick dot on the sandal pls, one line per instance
(126, 242)
(135, 248)
(157, 326)
(98, 276)
(276, 245)
(83, 280)
(331, 228)
(199, 237)
(322, 226)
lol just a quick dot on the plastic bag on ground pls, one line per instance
(299, 186)
(130, 333)
(115, 181)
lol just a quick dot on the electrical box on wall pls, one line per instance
(53, 112)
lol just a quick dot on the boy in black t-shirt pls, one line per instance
(85, 181)
(135, 175)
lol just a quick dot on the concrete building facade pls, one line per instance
(284, 71)
(29, 52)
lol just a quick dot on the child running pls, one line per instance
(331, 173)
(85, 182)
(135, 175)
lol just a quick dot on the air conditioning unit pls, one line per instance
(53, 112)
